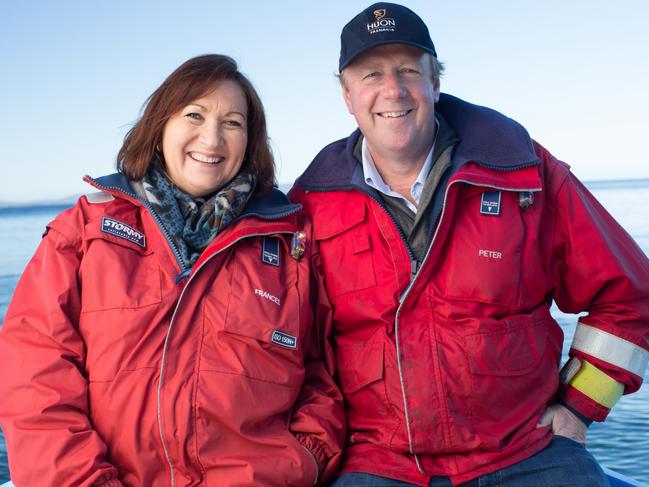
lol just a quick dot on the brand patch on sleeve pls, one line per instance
(283, 339)
(122, 230)
(270, 251)
(490, 203)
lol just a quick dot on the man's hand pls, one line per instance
(564, 423)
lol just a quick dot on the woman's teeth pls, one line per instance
(201, 158)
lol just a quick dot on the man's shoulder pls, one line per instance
(552, 169)
(487, 136)
(332, 168)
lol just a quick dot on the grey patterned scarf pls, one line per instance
(194, 222)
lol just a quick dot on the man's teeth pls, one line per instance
(394, 114)
(201, 158)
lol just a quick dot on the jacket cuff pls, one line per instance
(580, 404)
(317, 449)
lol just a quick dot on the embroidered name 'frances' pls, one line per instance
(268, 296)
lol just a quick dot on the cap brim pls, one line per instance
(382, 43)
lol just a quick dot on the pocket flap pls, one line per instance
(362, 243)
(339, 222)
(360, 363)
(509, 351)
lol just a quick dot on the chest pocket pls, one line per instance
(257, 328)
(117, 273)
(346, 250)
(483, 256)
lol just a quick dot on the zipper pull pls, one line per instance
(183, 275)
(414, 268)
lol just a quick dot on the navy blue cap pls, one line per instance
(383, 23)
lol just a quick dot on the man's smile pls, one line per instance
(399, 114)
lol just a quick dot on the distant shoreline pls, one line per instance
(616, 183)
(22, 208)
(7, 207)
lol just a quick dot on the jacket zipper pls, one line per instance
(171, 323)
(410, 286)
(185, 271)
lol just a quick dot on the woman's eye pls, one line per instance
(194, 116)
(233, 123)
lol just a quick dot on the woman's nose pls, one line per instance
(210, 135)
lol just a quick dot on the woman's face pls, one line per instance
(204, 143)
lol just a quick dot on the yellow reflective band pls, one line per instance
(597, 385)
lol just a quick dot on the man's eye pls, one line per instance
(373, 74)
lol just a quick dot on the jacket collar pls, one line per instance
(271, 205)
(487, 138)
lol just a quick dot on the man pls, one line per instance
(445, 233)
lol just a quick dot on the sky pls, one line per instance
(74, 76)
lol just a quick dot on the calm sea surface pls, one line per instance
(621, 443)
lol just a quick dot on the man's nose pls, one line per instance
(394, 86)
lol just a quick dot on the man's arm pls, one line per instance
(598, 268)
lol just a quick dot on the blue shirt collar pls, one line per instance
(373, 179)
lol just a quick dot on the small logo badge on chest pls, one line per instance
(284, 339)
(122, 230)
(490, 203)
(270, 251)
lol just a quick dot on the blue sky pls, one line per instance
(75, 74)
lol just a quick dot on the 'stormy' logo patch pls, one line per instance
(122, 230)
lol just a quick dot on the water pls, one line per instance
(621, 443)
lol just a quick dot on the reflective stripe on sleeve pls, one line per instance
(99, 197)
(595, 384)
(610, 348)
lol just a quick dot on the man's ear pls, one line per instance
(346, 95)
(436, 90)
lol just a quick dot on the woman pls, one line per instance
(170, 329)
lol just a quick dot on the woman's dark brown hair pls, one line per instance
(192, 80)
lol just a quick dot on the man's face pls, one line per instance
(390, 92)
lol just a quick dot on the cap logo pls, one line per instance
(381, 24)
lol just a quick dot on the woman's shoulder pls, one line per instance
(90, 209)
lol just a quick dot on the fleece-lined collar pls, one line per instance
(268, 206)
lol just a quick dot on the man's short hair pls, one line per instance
(436, 67)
